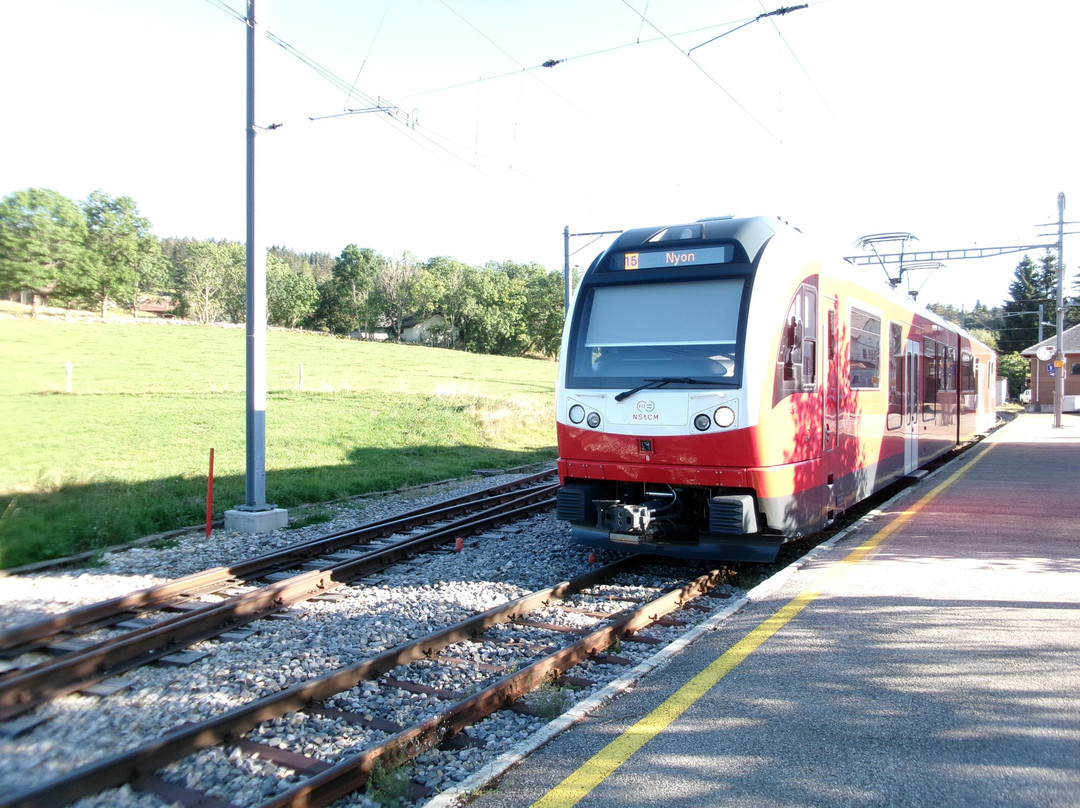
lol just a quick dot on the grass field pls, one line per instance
(125, 452)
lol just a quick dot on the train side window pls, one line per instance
(931, 377)
(865, 356)
(895, 418)
(796, 362)
(967, 373)
(948, 378)
(832, 334)
(1075, 370)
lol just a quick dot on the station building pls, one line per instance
(1042, 380)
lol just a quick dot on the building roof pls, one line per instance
(1070, 342)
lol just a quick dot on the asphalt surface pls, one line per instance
(930, 657)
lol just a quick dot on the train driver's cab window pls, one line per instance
(631, 332)
(864, 363)
(796, 363)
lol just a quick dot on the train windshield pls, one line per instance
(631, 333)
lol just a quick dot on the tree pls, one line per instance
(175, 252)
(444, 289)
(232, 295)
(397, 288)
(42, 242)
(151, 276)
(1016, 369)
(544, 310)
(203, 275)
(291, 293)
(949, 312)
(321, 264)
(981, 322)
(985, 336)
(493, 324)
(345, 299)
(517, 309)
(120, 244)
(1033, 285)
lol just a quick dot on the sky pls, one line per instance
(953, 120)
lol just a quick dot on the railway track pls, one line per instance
(546, 626)
(355, 703)
(151, 624)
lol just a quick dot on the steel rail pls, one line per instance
(342, 779)
(30, 687)
(126, 767)
(30, 636)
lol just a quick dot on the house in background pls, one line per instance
(428, 331)
(158, 306)
(431, 331)
(1042, 382)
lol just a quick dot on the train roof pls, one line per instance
(751, 233)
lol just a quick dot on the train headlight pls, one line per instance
(593, 420)
(702, 422)
(577, 414)
(724, 416)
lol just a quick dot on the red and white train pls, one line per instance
(721, 391)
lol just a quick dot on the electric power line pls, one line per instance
(371, 47)
(550, 63)
(544, 84)
(798, 61)
(706, 73)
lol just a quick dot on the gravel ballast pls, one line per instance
(375, 613)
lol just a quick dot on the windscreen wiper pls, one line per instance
(658, 383)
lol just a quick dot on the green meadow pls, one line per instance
(118, 446)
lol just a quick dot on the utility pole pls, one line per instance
(255, 269)
(255, 515)
(1059, 354)
(566, 268)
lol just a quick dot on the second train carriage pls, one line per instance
(722, 391)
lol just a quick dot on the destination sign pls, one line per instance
(661, 259)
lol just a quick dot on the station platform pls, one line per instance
(929, 656)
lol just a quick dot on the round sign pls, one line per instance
(1044, 353)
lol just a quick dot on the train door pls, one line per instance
(831, 408)
(912, 378)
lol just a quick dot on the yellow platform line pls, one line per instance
(595, 770)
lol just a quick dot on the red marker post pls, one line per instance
(210, 495)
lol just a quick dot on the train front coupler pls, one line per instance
(616, 516)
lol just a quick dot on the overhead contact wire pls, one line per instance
(706, 73)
